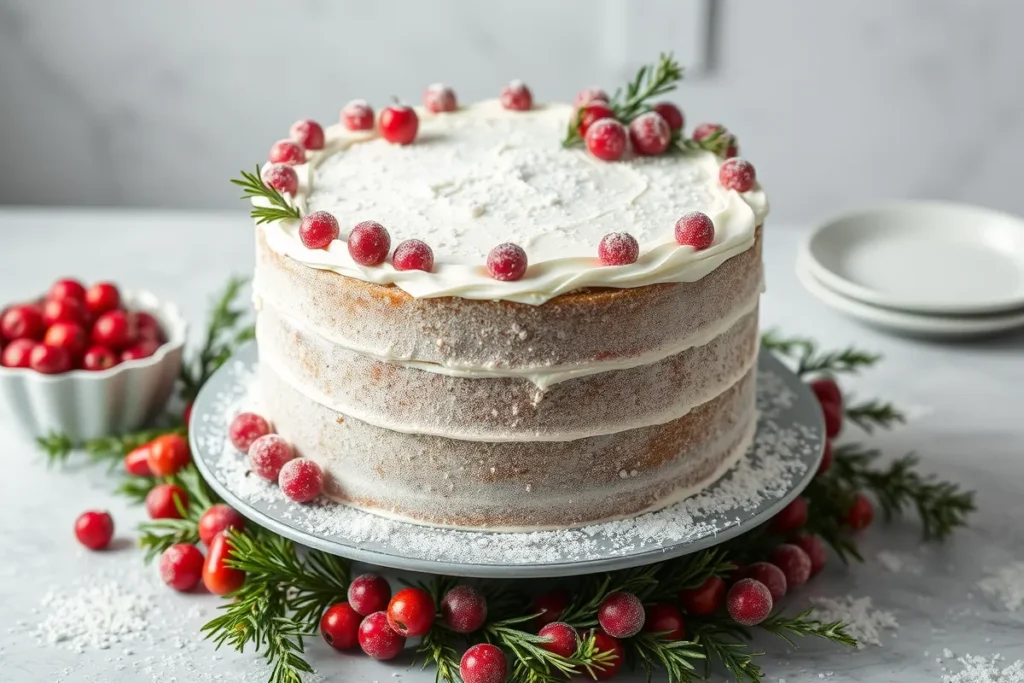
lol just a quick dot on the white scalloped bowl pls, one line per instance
(86, 405)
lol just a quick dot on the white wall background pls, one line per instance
(121, 102)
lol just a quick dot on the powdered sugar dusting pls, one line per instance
(97, 616)
(978, 669)
(863, 622)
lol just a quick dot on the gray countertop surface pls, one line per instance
(967, 424)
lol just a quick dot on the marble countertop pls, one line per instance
(965, 403)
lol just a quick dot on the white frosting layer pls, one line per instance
(482, 176)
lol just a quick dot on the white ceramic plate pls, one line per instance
(912, 324)
(923, 257)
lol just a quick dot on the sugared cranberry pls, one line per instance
(268, 454)
(69, 336)
(144, 348)
(181, 566)
(357, 115)
(114, 329)
(318, 229)
(827, 391)
(695, 229)
(665, 620)
(102, 297)
(301, 480)
(379, 640)
(22, 322)
(793, 562)
(99, 358)
(833, 419)
(17, 354)
(49, 360)
(706, 130)
(369, 593)
(613, 656)
(369, 243)
(438, 98)
(549, 606)
(618, 249)
(621, 615)
(704, 600)
(94, 529)
(148, 327)
(671, 113)
(771, 576)
(398, 124)
(483, 663)
(592, 113)
(749, 602)
(287, 152)
(411, 612)
(826, 457)
(246, 428)
(464, 609)
(790, 518)
(815, 550)
(161, 501)
(308, 133)
(562, 639)
(649, 133)
(589, 95)
(63, 311)
(606, 139)
(218, 518)
(516, 96)
(280, 177)
(861, 513)
(67, 289)
(413, 255)
(168, 454)
(737, 174)
(339, 626)
(136, 462)
(507, 262)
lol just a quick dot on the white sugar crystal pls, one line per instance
(977, 669)
(863, 623)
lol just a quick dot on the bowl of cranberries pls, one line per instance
(87, 361)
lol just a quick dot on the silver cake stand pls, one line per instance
(785, 455)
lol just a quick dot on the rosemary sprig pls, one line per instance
(675, 658)
(534, 664)
(158, 535)
(279, 209)
(874, 413)
(58, 447)
(582, 612)
(689, 571)
(802, 625)
(226, 331)
(810, 360)
(725, 642)
(439, 650)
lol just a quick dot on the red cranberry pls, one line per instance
(606, 139)
(483, 663)
(308, 133)
(369, 593)
(18, 354)
(67, 289)
(218, 577)
(771, 576)
(102, 297)
(732, 147)
(704, 600)
(695, 229)
(861, 513)
(49, 360)
(181, 566)
(827, 391)
(666, 620)
(833, 419)
(163, 499)
(22, 322)
(588, 96)
(618, 249)
(69, 336)
(148, 327)
(143, 349)
(94, 529)
(218, 518)
(318, 229)
(790, 518)
(562, 639)
(737, 174)
(114, 329)
(287, 152)
(507, 262)
(168, 454)
(411, 612)
(99, 358)
(621, 615)
(339, 626)
(413, 255)
(398, 124)
(379, 640)
(793, 562)
(826, 457)
(281, 177)
(649, 133)
(549, 606)
(268, 454)
(706, 130)
(749, 602)
(357, 115)
(438, 98)
(464, 609)
(136, 462)
(246, 428)
(63, 311)
(592, 113)
(614, 656)
(516, 96)
(369, 243)
(301, 480)
(815, 550)
(671, 113)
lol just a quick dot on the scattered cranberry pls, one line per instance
(411, 612)
(749, 602)
(516, 96)
(22, 322)
(168, 454)
(464, 609)
(99, 358)
(69, 336)
(606, 139)
(618, 249)
(218, 518)
(308, 133)
(793, 562)
(287, 152)
(49, 360)
(860, 514)
(790, 518)
(827, 391)
(826, 457)
(588, 96)
(18, 354)
(666, 620)
(369, 593)
(704, 600)
(771, 576)
(163, 501)
(706, 130)
(649, 133)
(562, 639)
(591, 114)
(483, 663)
(379, 640)
(94, 529)
(136, 462)
(398, 124)
(615, 656)
(695, 229)
(413, 255)
(507, 262)
(67, 289)
(318, 229)
(268, 454)
(833, 419)
(281, 177)
(369, 243)
(357, 115)
(301, 480)
(143, 349)
(621, 615)
(181, 566)
(339, 626)
(549, 606)
(815, 550)
(737, 174)
(246, 428)
(102, 297)
(218, 577)
(438, 98)
(63, 311)
(671, 113)
(114, 329)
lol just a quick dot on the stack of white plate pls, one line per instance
(920, 268)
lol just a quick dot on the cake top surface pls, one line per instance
(483, 175)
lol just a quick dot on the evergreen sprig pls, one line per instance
(439, 649)
(674, 657)
(58, 447)
(254, 187)
(726, 642)
(802, 625)
(810, 360)
(533, 664)
(226, 331)
(158, 535)
(874, 413)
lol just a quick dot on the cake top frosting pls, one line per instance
(483, 175)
